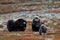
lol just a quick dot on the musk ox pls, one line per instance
(20, 25)
(36, 24)
(42, 29)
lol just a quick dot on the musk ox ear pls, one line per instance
(10, 25)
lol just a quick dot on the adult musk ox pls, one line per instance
(36, 24)
(20, 25)
(10, 25)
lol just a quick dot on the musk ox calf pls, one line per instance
(20, 25)
(42, 29)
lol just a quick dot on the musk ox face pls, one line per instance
(18, 25)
